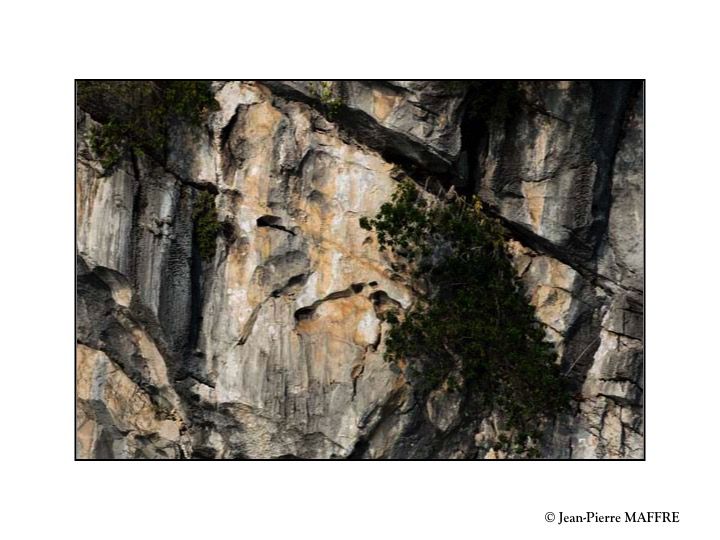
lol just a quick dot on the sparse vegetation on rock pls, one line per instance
(206, 224)
(137, 115)
(326, 93)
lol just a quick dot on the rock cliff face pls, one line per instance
(273, 347)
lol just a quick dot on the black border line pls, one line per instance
(540, 460)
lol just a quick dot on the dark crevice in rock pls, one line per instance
(307, 312)
(474, 135)
(336, 295)
(227, 130)
(360, 449)
(273, 222)
(619, 400)
(610, 107)
(136, 212)
(232, 143)
(203, 453)
(200, 186)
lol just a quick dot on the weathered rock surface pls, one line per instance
(408, 121)
(274, 348)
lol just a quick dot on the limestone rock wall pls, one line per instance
(274, 348)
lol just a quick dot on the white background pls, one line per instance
(45, 45)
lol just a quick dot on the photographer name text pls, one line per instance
(626, 517)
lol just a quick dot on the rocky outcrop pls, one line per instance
(273, 347)
(126, 404)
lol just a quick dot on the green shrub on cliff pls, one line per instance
(472, 325)
(137, 115)
(206, 224)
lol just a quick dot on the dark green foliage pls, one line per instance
(472, 317)
(206, 224)
(137, 115)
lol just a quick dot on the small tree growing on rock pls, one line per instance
(471, 326)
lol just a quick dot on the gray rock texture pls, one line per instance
(273, 348)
